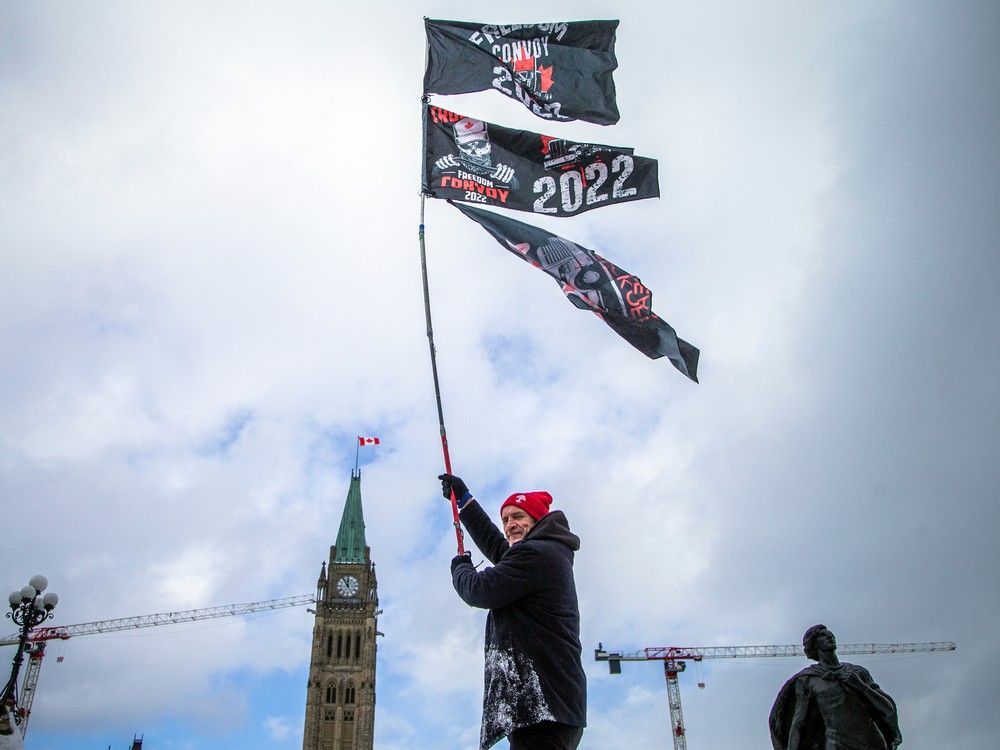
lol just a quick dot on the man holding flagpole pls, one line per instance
(535, 690)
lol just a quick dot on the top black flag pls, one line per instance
(560, 71)
(593, 283)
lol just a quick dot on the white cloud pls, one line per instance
(278, 728)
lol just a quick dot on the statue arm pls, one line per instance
(881, 703)
(861, 680)
(797, 724)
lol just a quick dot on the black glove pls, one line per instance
(450, 482)
(461, 560)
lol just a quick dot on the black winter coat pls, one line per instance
(533, 668)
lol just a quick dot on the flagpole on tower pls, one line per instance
(434, 372)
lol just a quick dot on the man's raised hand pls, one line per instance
(450, 482)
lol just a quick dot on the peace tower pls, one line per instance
(340, 693)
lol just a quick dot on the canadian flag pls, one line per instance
(368, 441)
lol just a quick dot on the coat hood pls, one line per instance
(554, 527)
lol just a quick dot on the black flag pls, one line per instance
(560, 71)
(593, 283)
(469, 160)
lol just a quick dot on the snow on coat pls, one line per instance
(533, 670)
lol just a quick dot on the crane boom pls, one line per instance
(697, 653)
(40, 636)
(160, 618)
(674, 660)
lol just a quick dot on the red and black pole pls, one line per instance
(437, 386)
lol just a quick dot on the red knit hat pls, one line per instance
(535, 504)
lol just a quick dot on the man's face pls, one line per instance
(825, 641)
(516, 523)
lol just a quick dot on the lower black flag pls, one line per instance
(593, 283)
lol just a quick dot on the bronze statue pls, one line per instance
(832, 705)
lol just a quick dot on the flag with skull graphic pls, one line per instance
(593, 283)
(560, 71)
(469, 160)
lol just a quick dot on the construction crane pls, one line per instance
(674, 660)
(40, 636)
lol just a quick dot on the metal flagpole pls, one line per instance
(437, 386)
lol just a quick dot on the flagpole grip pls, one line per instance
(454, 500)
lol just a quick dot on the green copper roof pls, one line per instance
(351, 537)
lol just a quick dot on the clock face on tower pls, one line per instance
(348, 586)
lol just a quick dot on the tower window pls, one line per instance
(347, 731)
(340, 644)
(349, 693)
(329, 714)
(331, 693)
(329, 645)
(357, 645)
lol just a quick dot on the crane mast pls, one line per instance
(675, 660)
(670, 670)
(30, 683)
(40, 636)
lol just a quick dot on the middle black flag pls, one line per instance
(473, 161)
(593, 283)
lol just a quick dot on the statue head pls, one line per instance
(815, 638)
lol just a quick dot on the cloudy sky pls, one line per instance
(210, 283)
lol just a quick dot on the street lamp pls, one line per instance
(28, 608)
